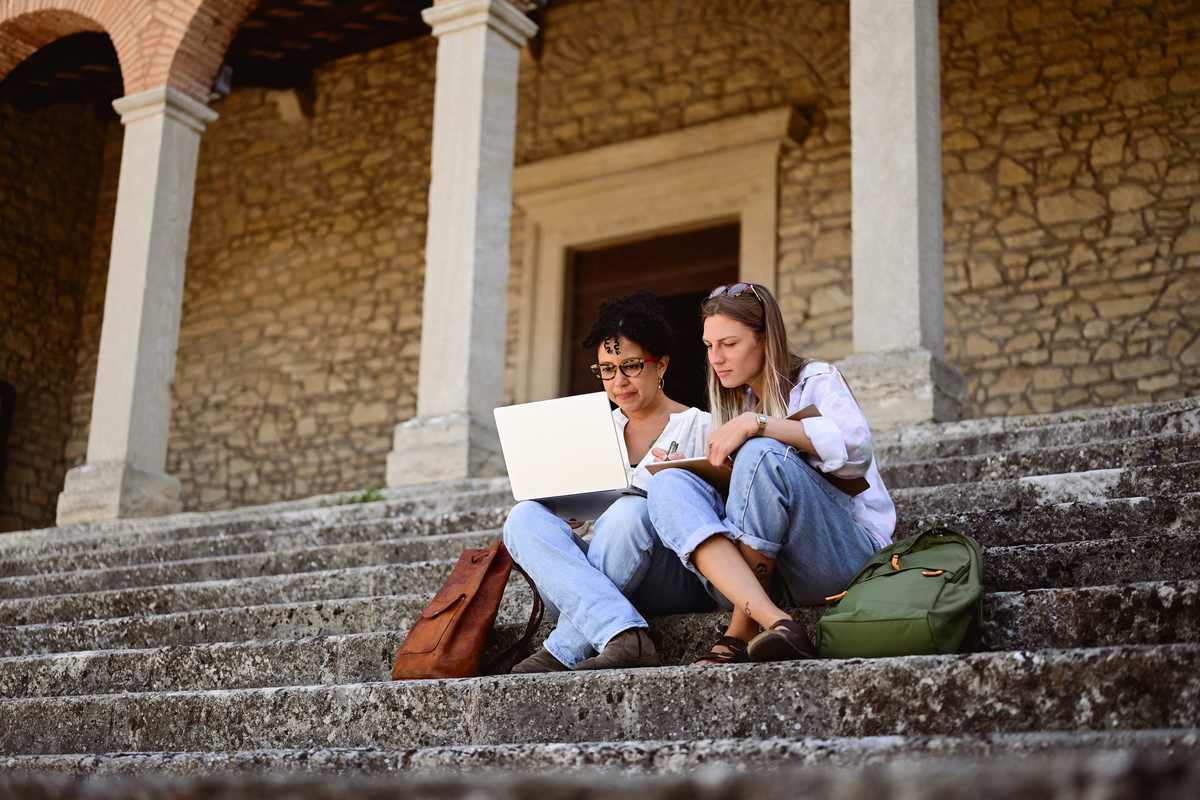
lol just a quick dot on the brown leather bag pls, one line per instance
(449, 638)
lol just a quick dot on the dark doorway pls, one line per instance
(681, 268)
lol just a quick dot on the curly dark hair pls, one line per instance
(640, 318)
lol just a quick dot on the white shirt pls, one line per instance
(689, 428)
(842, 439)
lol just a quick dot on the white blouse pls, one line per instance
(842, 439)
(689, 428)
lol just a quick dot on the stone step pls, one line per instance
(384, 550)
(1038, 524)
(373, 543)
(1134, 687)
(1073, 521)
(271, 621)
(679, 757)
(1161, 557)
(1005, 434)
(115, 546)
(1170, 480)
(1146, 613)
(1165, 449)
(261, 541)
(400, 504)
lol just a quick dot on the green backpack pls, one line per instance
(920, 595)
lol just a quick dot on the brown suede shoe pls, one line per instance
(786, 640)
(631, 648)
(541, 661)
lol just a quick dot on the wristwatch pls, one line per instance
(762, 424)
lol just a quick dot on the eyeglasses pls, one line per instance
(735, 289)
(630, 368)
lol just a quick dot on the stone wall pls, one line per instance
(1072, 238)
(614, 70)
(49, 167)
(300, 336)
(1072, 191)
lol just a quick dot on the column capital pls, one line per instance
(164, 100)
(500, 15)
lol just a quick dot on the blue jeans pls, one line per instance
(602, 587)
(779, 506)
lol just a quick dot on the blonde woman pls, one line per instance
(781, 514)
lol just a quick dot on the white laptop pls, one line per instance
(565, 453)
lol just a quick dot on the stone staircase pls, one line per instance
(261, 639)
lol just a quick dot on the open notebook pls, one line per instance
(719, 476)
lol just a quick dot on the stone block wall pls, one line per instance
(300, 335)
(1071, 138)
(1072, 191)
(615, 70)
(1071, 132)
(50, 163)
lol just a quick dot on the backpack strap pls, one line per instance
(503, 661)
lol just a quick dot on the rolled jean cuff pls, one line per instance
(763, 547)
(567, 659)
(698, 537)
(611, 631)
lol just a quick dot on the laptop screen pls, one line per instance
(561, 447)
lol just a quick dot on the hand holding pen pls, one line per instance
(667, 455)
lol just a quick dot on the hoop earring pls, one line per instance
(661, 381)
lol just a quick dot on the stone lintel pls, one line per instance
(438, 448)
(898, 388)
(116, 490)
(773, 126)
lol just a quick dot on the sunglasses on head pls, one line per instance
(735, 289)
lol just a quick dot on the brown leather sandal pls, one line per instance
(734, 653)
(786, 640)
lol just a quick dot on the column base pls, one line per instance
(450, 447)
(897, 388)
(116, 490)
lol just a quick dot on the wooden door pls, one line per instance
(680, 268)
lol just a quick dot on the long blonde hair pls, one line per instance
(757, 309)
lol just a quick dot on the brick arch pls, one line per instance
(27, 25)
(190, 61)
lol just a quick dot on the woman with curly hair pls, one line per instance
(602, 588)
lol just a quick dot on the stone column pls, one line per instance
(463, 337)
(897, 370)
(131, 409)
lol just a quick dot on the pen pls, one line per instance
(674, 446)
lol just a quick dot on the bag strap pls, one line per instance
(503, 661)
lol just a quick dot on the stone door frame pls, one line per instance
(691, 178)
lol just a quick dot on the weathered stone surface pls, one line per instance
(1113, 548)
(1003, 434)
(315, 535)
(1147, 613)
(307, 559)
(438, 502)
(276, 621)
(653, 758)
(1127, 687)
(1015, 567)
(1076, 458)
